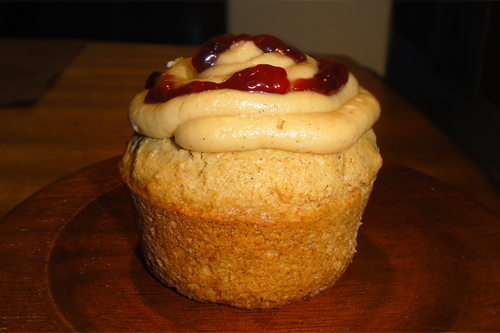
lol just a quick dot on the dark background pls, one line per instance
(174, 22)
(443, 55)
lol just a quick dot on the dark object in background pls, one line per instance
(173, 22)
(444, 57)
(28, 67)
(38, 38)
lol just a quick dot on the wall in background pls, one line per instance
(359, 29)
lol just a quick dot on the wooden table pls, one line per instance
(81, 119)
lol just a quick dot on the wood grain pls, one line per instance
(427, 260)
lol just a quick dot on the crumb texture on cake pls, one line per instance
(258, 182)
(252, 229)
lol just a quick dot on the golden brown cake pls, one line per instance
(253, 209)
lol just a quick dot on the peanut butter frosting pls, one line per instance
(249, 96)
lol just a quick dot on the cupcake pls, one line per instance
(249, 169)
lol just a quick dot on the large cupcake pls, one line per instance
(250, 169)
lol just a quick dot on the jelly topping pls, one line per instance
(262, 78)
(329, 79)
(152, 78)
(331, 75)
(209, 52)
(251, 92)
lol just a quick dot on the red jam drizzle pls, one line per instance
(208, 53)
(329, 79)
(261, 78)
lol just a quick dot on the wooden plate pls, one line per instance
(427, 260)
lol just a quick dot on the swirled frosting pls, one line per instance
(249, 92)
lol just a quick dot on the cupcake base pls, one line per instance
(244, 252)
(242, 262)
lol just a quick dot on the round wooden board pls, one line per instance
(427, 260)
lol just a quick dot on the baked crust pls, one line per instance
(254, 229)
